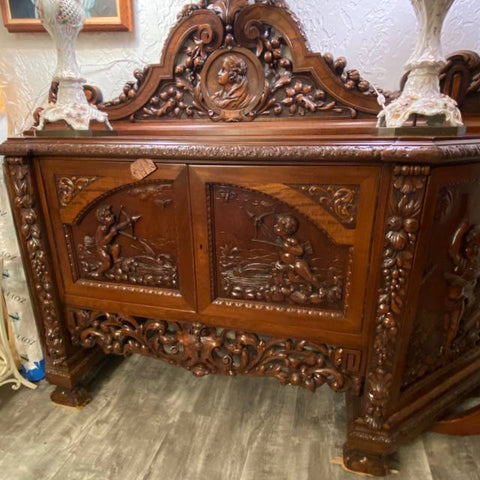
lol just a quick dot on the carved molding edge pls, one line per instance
(347, 153)
(206, 350)
(402, 225)
(130, 288)
(69, 187)
(35, 253)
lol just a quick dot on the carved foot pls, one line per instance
(76, 397)
(367, 463)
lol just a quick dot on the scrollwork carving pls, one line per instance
(69, 187)
(32, 237)
(208, 350)
(243, 84)
(339, 200)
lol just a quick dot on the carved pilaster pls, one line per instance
(401, 231)
(370, 421)
(24, 199)
(402, 225)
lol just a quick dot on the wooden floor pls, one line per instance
(153, 421)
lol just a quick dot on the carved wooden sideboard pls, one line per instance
(247, 221)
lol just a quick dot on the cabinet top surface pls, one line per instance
(237, 80)
(205, 148)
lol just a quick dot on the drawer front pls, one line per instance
(284, 246)
(117, 238)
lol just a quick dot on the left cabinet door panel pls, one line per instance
(119, 239)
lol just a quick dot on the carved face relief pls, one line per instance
(234, 82)
(233, 78)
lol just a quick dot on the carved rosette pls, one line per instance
(69, 187)
(208, 350)
(403, 222)
(33, 243)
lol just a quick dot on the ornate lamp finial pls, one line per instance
(64, 19)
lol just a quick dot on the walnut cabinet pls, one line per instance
(245, 220)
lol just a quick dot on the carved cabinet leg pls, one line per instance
(65, 365)
(372, 437)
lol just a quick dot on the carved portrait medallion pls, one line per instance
(233, 83)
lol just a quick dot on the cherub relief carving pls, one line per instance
(141, 263)
(233, 78)
(292, 277)
(462, 285)
(109, 228)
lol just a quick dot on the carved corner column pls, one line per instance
(371, 436)
(64, 365)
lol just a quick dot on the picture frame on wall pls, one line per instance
(102, 16)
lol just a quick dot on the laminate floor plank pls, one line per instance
(149, 420)
(463, 452)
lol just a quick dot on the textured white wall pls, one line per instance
(376, 37)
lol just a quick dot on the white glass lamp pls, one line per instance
(63, 19)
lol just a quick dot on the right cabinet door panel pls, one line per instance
(284, 245)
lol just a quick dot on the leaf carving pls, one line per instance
(227, 9)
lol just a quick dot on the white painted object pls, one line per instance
(64, 19)
(8, 370)
(421, 95)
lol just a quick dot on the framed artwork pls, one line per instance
(102, 16)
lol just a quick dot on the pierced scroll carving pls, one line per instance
(32, 238)
(69, 187)
(208, 350)
(101, 256)
(340, 200)
(403, 223)
(233, 68)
